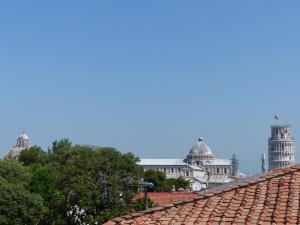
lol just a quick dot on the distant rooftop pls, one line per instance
(167, 162)
(162, 198)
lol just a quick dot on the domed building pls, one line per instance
(199, 152)
(200, 167)
(23, 143)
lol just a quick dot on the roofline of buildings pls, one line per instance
(205, 194)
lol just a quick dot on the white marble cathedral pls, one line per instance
(200, 167)
(23, 143)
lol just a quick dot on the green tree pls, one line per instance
(31, 155)
(100, 181)
(12, 171)
(60, 144)
(179, 182)
(162, 184)
(18, 205)
(90, 184)
(158, 179)
(43, 180)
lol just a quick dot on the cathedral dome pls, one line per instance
(200, 149)
(23, 143)
(23, 136)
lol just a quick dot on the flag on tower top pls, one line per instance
(276, 117)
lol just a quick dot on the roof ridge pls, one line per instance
(216, 191)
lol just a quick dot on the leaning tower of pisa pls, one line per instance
(281, 147)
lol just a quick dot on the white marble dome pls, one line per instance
(200, 149)
(24, 136)
(23, 143)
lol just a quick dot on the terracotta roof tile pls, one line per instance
(270, 198)
(163, 198)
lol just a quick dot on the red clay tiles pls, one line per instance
(270, 198)
(163, 198)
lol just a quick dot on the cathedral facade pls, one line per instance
(200, 167)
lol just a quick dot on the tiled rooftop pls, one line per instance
(162, 198)
(270, 198)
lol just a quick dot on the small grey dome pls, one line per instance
(200, 149)
(24, 136)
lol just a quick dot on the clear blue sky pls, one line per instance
(150, 76)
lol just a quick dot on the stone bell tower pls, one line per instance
(281, 152)
(235, 165)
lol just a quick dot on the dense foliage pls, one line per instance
(161, 183)
(72, 184)
(80, 184)
(18, 205)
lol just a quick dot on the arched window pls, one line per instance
(225, 170)
(218, 170)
